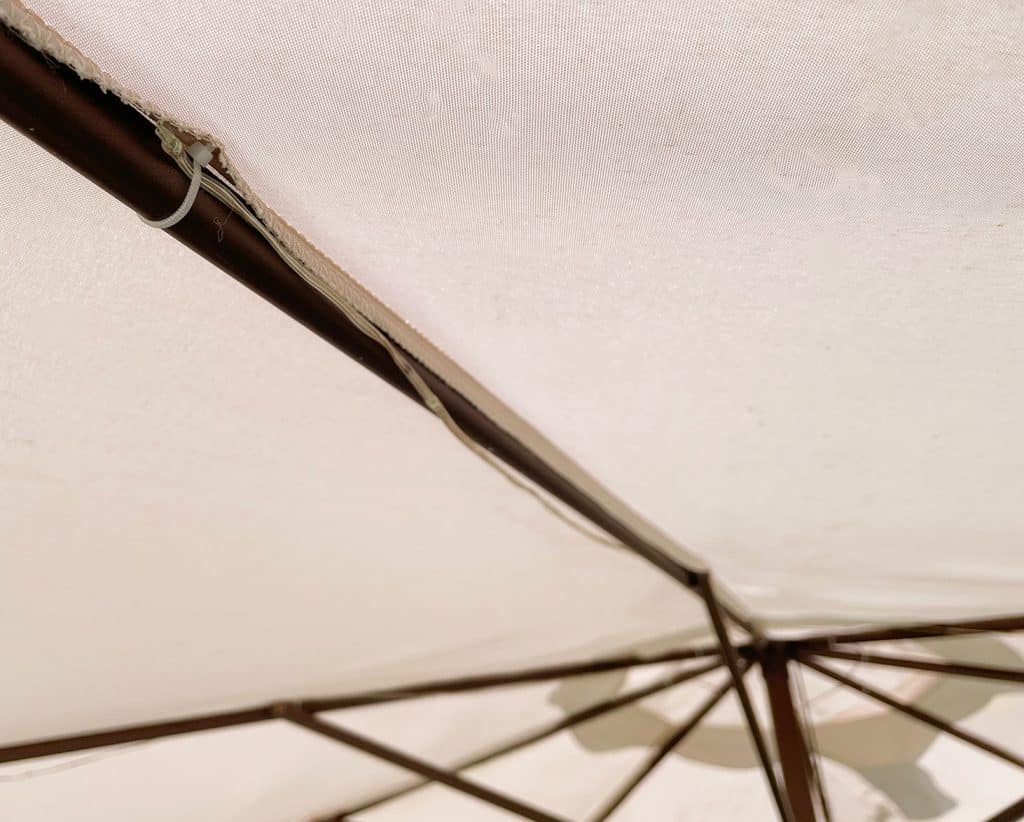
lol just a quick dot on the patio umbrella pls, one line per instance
(703, 499)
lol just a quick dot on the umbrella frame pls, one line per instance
(116, 147)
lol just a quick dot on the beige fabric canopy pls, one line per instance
(749, 277)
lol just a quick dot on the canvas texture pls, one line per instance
(750, 276)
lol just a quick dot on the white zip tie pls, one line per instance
(201, 155)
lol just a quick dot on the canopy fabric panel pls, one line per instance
(193, 482)
(778, 255)
(876, 764)
(759, 273)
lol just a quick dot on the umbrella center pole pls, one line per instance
(790, 736)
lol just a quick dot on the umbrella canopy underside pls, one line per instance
(755, 273)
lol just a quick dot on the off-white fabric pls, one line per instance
(756, 268)
(205, 506)
(320, 270)
(876, 765)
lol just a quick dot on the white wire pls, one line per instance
(173, 146)
(201, 155)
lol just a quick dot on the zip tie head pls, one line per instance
(200, 153)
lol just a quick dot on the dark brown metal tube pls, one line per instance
(403, 760)
(132, 733)
(736, 669)
(935, 666)
(205, 722)
(505, 678)
(789, 735)
(1013, 813)
(662, 751)
(579, 717)
(919, 631)
(116, 147)
(916, 713)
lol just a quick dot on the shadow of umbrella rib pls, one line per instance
(977, 671)
(585, 715)
(664, 750)
(923, 716)
(889, 763)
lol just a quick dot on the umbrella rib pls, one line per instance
(584, 715)
(1004, 624)
(1012, 813)
(133, 733)
(732, 661)
(111, 143)
(951, 668)
(294, 713)
(665, 749)
(205, 722)
(482, 681)
(912, 711)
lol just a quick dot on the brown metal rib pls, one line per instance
(571, 720)
(132, 733)
(736, 670)
(918, 714)
(206, 722)
(501, 679)
(403, 760)
(1004, 624)
(116, 147)
(664, 750)
(938, 667)
(1013, 813)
